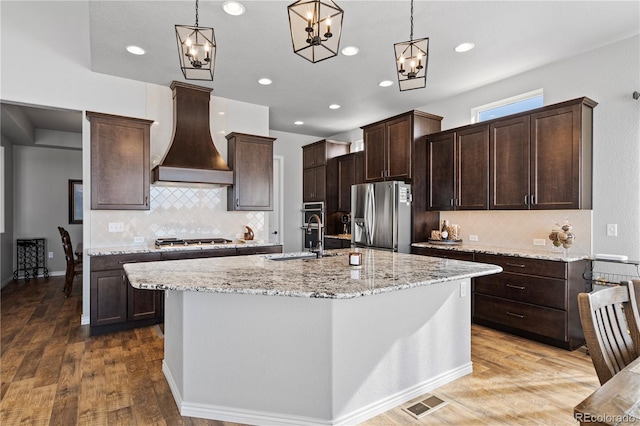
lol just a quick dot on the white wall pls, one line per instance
(6, 238)
(289, 145)
(41, 204)
(608, 75)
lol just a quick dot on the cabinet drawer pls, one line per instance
(523, 265)
(103, 263)
(259, 250)
(534, 319)
(447, 254)
(550, 292)
(197, 254)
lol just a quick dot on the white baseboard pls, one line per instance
(250, 417)
(85, 320)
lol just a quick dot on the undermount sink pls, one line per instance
(297, 255)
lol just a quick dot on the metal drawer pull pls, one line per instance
(515, 315)
(517, 287)
(517, 265)
(126, 261)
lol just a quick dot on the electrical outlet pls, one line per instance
(116, 227)
(50, 255)
(612, 230)
(473, 237)
(539, 241)
(138, 239)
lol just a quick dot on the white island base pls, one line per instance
(266, 360)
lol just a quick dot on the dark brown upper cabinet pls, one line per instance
(542, 160)
(387, 148)
(251, 159)
(350, 172)
(509, 164)
(314, 163)
(389, 145)
(119, 162)
(458, 169)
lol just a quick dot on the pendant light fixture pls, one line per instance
(411, 61)
(316, 26)
(196, 50)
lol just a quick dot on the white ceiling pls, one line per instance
(511, 37)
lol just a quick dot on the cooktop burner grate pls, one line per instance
(171, 242)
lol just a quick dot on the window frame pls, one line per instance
(475, 112)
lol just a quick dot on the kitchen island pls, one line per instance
(256, 340)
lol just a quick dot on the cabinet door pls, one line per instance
(555, 158)
(144, 304)
(119, 162)
(509, 164)
(472, 169)
(346, 178)
(374, 158)
(313, 184)
(251, 159)
(314, 155)
(441, 171)
(108, 297)
(398, 149)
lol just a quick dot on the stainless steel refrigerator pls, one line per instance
(381, 215)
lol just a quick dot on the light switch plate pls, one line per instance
(539, 241)
(138, 239)
(473, 237)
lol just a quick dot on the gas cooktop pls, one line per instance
(176, 242)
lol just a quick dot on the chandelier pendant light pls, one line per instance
(316, 26)
(411, 61)
(196, 50)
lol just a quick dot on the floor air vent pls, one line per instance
(424, 407)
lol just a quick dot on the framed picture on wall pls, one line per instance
(75, 201)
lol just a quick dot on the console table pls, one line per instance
(31, 258)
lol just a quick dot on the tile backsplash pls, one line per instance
(518, 229)
(182, 212)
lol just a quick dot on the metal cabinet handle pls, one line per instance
(517, 287)
(237, 202)
(533, 199)
(517, 265)
(452, 201)
(122, 262)
(515, 315)
(526, 200)
(146, 200)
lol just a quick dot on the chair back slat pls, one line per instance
(610, 323)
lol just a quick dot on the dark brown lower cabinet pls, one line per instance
(336, 243)
(116, 305)
(532, 298)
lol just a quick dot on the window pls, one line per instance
(357, 146)
(512, 105)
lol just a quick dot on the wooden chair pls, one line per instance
(74, 266)
(610, 321)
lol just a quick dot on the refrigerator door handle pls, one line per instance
(372, 214)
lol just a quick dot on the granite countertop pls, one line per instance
(508, 251)
(104, 251)
(329, 277)
(339, 236)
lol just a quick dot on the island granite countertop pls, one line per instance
(328, 277)
(547, 254)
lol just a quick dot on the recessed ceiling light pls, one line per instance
(334, 106)
(135, 50)
(299, 123)
(265, 81)
(464, 47)
(385, 83)
(233, 8)
(350, 51)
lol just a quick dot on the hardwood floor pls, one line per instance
(54, 373)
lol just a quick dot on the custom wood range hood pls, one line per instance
(192, 156)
